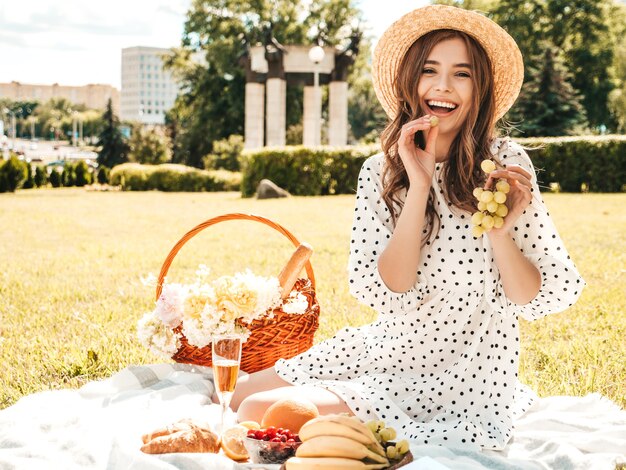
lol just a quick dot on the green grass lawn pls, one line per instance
(72, 261)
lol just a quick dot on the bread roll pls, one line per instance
(289, 275)
(184, 436)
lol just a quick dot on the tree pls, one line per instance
(366, 115)
(548, 104)
(617, 97)
(206, 64)
(580, 29)
(113, 147)
(526, 22)
(22, 111)
(53, 117)
(584, 32)
(148, 146)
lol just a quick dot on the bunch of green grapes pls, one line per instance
(491, 204)
(386, 435)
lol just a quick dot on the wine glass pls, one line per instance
(226, 358)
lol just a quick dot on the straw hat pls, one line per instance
(506, 58)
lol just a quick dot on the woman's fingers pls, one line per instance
(525, 191)
(431, 140)
(411, 127)
(518, 169)
(515, 174)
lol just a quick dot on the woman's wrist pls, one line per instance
(418, 191)
(496, 236)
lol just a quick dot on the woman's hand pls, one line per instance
(518, 198)
(419, 164)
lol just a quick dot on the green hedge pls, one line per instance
(594, 163)
(305, 171)
(172, 177)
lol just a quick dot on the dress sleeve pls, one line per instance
(538, 239)
(371, 230)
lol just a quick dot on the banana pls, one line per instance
(326, 463)
(330, 428)
(335, 446)
(343, 426)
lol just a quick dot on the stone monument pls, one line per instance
(271, 67)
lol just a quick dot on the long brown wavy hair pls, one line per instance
(471, 145)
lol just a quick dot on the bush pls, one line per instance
(29, 182)
(572, 163)
(55, 178)
(13, 173)
(82, 174)
(226, 154)
(41, 176)
(172, 177)
(68, 176)
(130, 176)
(575, 164)
(103, 175)
(305, 171)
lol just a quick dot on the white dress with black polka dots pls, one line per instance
(440, 362)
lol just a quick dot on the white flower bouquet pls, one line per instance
(204, 309)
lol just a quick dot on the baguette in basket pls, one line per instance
(276, 320)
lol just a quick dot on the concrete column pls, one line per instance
(338, 114)
(312, 116)
(276, 114)
(255, 115)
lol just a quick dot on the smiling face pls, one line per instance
(445, 85)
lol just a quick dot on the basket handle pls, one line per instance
(222, 218)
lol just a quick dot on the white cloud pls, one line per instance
(75, 42)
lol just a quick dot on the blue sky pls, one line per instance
(76, 42)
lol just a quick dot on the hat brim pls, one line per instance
(506, 59)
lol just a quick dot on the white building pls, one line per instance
(148, 91)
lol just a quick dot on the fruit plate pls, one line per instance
(407, 459)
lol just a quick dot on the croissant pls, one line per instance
(184, 436)
(183, 425)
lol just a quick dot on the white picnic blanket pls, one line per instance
(100, 425)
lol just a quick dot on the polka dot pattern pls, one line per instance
(440, 362)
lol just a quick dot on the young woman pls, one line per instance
(440, 363)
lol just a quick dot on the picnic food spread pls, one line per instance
(323, 441)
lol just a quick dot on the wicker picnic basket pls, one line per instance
(282, 336)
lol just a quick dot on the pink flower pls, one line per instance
(170, 306)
